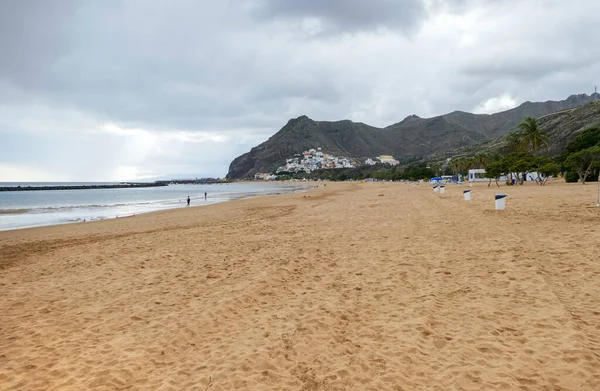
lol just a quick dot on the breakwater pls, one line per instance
(83, 187)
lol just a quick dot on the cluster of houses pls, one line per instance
(316, 159)
(265, 176)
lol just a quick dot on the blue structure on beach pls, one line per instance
(446, 179)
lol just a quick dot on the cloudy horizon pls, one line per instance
(140, 89)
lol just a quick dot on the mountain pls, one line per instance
(413, 136)
(494, 125)
(344, 138)
(561, 127)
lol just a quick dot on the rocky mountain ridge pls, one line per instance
(411, 137)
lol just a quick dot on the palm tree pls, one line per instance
(533, 137)
(514, 142)
(483, 159)
(460, 165)
(470, 163)
(454, 166)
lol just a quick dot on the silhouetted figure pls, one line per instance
(205, 196)
(188, 202)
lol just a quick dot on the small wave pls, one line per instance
(14, 211)
(68, 208)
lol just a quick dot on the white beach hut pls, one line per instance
(477, 175)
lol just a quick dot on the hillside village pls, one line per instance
(316, 159)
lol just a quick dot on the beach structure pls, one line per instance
(452, 179)
(435, 181)
(436, 188)
(477, 175)
(446, 179)
(500, 201)
(532, 176)
(467, 195)
(442, 189)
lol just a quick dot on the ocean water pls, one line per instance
(23, 209)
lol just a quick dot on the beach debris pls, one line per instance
(380, 195)
(210, 383)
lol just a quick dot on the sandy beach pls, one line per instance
(346, 287)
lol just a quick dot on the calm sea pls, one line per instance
(22, 209)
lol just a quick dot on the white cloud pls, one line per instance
(25, 173)
(131, 173)
(496, 104)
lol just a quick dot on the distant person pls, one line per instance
(188, 201)
(205, 196)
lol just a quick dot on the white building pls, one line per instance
(387, 159)
(477, 175)
(264, 176)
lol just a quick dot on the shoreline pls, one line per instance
(224, 198)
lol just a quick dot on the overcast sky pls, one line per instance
(119, 90)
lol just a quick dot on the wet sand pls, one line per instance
(347, 287)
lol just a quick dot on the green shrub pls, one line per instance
(571, 177)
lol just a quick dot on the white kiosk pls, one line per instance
(477, 175)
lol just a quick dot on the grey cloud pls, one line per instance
(237, 70)
(524, 68)
(32, 34)
(349, 15)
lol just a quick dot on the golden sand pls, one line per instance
(347, 287)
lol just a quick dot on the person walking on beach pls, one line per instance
(188, 202)
(205, 196)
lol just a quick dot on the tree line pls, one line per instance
(525, 151)
(412, 172)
